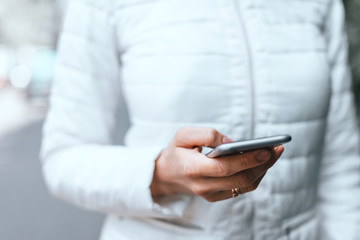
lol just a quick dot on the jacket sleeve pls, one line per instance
(80, 162)
(339, 190)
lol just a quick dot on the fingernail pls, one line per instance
(279, 150)
(263, 156)
(226, 140)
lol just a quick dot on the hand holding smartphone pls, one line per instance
(247, 145)
(212, 179)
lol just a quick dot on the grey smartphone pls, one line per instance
(247, 145)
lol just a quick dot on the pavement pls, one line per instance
(27, 210)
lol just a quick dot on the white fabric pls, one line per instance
(247, 68)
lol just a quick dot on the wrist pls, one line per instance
(159, 186)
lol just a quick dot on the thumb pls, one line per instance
(191, 137)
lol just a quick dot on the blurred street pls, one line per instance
(27, 210)
(25, 203)
(28, 33)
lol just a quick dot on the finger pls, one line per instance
(225, 194)
(241, 179)
(190, 137)
(276, 154)
(278, 150)
(218, 196)
(254, 185)
(212, 189)
(199, 149)
(229, 165)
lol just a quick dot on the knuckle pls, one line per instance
(239, 181)
(243, 181)
(248, 181)
(199, 190)
(223, 169)
(213, 132)
(212, 135)
(245, 160)
(189, 172)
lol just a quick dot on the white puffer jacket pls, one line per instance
(249, 68)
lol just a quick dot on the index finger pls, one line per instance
(231, 164)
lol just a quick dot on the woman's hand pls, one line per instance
(182, 168)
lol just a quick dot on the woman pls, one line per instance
(199, 73)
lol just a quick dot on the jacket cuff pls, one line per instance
(110, 179)
(139, 194)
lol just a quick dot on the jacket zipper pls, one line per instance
(251, 69)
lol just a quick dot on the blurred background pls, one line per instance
(28, 33)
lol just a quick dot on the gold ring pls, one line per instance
(235, 192)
